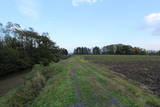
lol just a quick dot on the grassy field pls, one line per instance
(79, 82)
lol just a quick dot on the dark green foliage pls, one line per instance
(11, 60)
(82, 51)
(115, 49)
(96, 50)
(63, 51)
(158, 52)
(151, 52)
(121, 49)
(8, 59)
(21, 49)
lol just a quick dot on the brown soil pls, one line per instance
(143, 72)
(11, 81)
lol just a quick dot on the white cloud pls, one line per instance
(78, 2)
(28, 8)
(153, 23)
(153, 18)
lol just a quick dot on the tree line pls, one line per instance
(20, 49)
(114, 49)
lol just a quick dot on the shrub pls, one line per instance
(8, 60)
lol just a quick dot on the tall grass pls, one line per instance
(30, 90)
(25, 94)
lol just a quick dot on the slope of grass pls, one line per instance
(24, 94)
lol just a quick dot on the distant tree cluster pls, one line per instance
(96, 50)
(20, 49)
(82, 51)
(121, 49)
(115, 49)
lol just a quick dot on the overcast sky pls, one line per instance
(73, 23)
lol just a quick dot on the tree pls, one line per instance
(82, 51)
(158, 52)
(121, 49)
(96, 50)
(63, 51)
(21, 49)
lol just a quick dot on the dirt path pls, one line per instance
(77, 91)
(10, 82)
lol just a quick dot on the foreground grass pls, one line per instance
(23, 95)
(81, 83)
(78, 83)
(59, 91)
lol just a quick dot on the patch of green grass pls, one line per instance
(59, 91)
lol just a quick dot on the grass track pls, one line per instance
(82, 84)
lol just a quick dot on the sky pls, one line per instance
(73, 23)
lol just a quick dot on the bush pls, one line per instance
(8, 61)
(44, 61)
(12, 61)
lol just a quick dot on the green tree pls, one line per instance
(21, 49)
(82, 51)
(96, 50)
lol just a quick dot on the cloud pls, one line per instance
(153, 18)
(153, 23)
(28, 8)
(78, 2)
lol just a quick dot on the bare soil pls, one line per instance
(143, 72)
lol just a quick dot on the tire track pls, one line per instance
(77, 90)
(114, 102)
